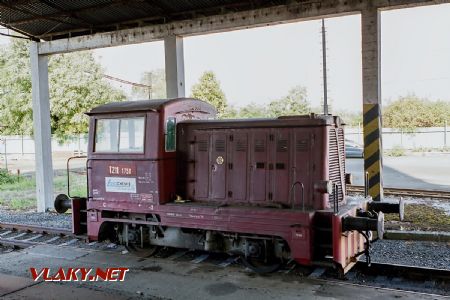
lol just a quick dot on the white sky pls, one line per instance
(262, 64)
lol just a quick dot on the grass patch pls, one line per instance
(430, 149)
(420, 217)
(396, 151)
(22, 204)
(7, 178)
(16, 183)
(19, 193)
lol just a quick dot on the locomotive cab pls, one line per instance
(132, 150)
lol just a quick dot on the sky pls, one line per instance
(262, 64)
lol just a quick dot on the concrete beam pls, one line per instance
(198, 26)
(42, 131)
(174, 58)
(371, 75)
(226, 22)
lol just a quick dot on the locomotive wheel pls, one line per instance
(261, 266)
(264, 261)
(143, 252)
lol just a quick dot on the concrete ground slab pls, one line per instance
(159, 278)
(50, 291)
(53, 251)
(113, 259)
(10, 284)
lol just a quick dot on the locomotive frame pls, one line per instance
(164, 173)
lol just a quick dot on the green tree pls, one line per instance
(411, 112)
(156, 79)
(230, 112)
(75, 87)
(208, 89)
(294, 103)
(253, 110)
(353, 119)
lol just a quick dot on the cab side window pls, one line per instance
(120, 135)
(171, 124)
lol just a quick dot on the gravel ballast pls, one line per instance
(412, 253)
(48, 219)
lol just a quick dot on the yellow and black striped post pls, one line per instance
(372, 150)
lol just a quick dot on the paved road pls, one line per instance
(430, 171)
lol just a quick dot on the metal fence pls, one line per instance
(433, 137)
(422, 138)
(22, 145)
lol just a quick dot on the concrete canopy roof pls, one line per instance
(56, 19)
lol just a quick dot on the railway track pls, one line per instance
(380, 275)
(416, 280)
(405, 192)
(24, 236)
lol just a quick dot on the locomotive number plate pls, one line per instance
(123, 169)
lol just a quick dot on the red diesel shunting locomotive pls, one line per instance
(164, 173)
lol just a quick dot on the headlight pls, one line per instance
(324, 187)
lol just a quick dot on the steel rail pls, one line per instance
(36, 229)
(21, 244)
(32, 229)
(405, 192)
(404, 285)
(409, 273)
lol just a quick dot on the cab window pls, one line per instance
(124, 135)
(171, 124)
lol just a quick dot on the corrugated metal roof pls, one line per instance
(55, 19)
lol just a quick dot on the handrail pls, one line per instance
(303, 194)
(68, 171)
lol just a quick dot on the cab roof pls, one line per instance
(147, 105)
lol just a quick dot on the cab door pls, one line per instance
(280, 181)
(258, 166)
(218, 163)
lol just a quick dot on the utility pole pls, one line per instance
(324, 63)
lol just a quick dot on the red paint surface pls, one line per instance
(234, 173)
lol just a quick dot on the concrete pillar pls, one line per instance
(371, 76)
(42, 132)
(174, 56)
